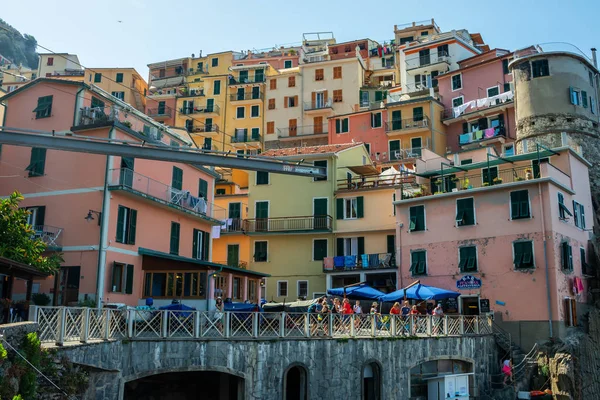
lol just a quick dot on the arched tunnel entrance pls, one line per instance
(206, 385)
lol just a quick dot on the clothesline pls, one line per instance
(485, 102)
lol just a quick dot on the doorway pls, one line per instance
(469, 305)
(66, 286)
(371, 382)
(233, 255)
(320, 100)
(320, 213)
(296, 384)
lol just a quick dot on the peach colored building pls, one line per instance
(478, 101)
(128, 228)
(281, 58)
(520, 225)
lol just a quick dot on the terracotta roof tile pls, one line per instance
(293, 151)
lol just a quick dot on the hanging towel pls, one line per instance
(465, 138)
(382, 258)
(489, 132)
(478, 135)
(350, 261)
(338, 261)
(365, 260)
(579, 285)
(216, 232)
(328, 263)
(373, 260)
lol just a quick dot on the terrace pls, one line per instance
(305, 130)
(407, 125)
(313, 223)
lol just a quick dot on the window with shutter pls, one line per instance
(292, 81)
(129, 279)
(467, 259)
(174, 242)
(519, 204)
(567, 257)
(376, 120)
(539, 68)
(255, 111)
(319, 75)
(319, 249)
(177, 178)
(418, 262)
(126, 225)
(117, 277)
(488, 175)
(273, 84)
(465, 212)
(217, 88)
(260, 251)
(523, 255)
(262, 178)
(345, 125)
(584, 99)
(270, 127)
(320, 163)
(417, 219)
(44, 107)
(271, 104)
(337, 72)
(37, 162)
(337, 96)
(202, 188)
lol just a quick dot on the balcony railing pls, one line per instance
(374, 181)
(505, 98)
(131, 181)
(205, 128)
(68, 72)
(430, 59)
(243, 137)
(246, 96)
(192, 93)
(304, 130)
(481, 135)
(201, 109)
(406, 124)
(160, 112)
(203, 70)
(233, 225)
(318, 105)
(373, 105)
(172, 74)
(238, 264)
(289, 224)
(248, 79)
(361, 261)
(50, 235)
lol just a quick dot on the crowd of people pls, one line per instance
(337, 306)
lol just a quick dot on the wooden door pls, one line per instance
(318, 125)
(293, 127)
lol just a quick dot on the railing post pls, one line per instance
(374, 325)
(477, 325)
(33, 313)
(106, 323)
(197, 318)
(307, 324)
(164, 326)
(445, 325)
(255, 332)
(411, 326)
(62, 321)
(428, 325)
(227, 327)
(462, 325)
(130, 320)
(282, 324)
(352, 329)
(85, 325)
(393, 325)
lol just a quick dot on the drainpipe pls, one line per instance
(546, 262)
(431, 122)
(104, 229)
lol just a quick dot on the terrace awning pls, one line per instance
(359, 292)
(420, 292)
(363, 169)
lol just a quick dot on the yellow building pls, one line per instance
(291, 220)
(124, 83)
(413, 124)
(60, 65)
(14, 76)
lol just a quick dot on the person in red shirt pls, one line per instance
(346, 307)
(395, 309)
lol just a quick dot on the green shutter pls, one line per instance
(255, 135)
(417, 218)
(361, 245)
(339, 208)
(339, 247)
(129, 279)
(360, 213)
(519, 204)
(338, 126)
(345, 127)
(120, 224)
(177, 179)
(119, 77)
(584, 99)
(217, 88)
(132, 226)
(195, 244)
(203, 188)
(205, 245)
(37, 162)
(174, 244)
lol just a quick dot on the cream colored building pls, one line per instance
(60, 65)
(14, 76)
(283, 109)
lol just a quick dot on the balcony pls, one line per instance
(199, 71)
(234, 264)
(201, 109)
(396, 156)
(360, 262)
(246, 96)
(241, 136)
(234, 225)
(50, 235)
(67, 72)
(245, 80)
(140, 185)
(300, 131)
(160, 112)
(192, 93)
(407, 125)
(372, 105)
(474, 139)
(318, 105)
(212, 128)
(374, 182)
(321, 223)
(416, 65)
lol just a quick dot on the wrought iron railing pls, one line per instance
(235, 264)
(205, 128)
(317, 105)
(50, 235)
(361, 261)
(406, 124)
(62, 325)
(247, 95)
(302, 130)
(430, 59)
(126, 179)
(289, 224)
(373, 181)
(244, 138)
(159, 112)
(201, 109)
(248, 79)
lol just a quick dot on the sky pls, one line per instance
(134, 33)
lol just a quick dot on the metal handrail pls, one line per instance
(408, 123)
(286, 224)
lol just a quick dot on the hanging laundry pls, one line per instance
(365, 260)
(478, 135)
(216, 232)
(350, 261)
(489, 132)
(374, 52)
(458, 110)
(379, 51)
(373, 260)
(328, 263)
(464, 138)
(338, 261)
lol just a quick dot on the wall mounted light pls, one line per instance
(90, 216)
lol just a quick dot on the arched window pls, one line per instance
(371, 382)
(295, 384)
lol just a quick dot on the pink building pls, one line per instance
(478, 101)
(511, 235)
(152, 221)
(367, 127)
(281, 58)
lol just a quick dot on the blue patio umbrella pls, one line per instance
(420, 292)
(178, 307)
(358, 292)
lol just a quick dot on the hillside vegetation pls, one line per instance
(20, 49)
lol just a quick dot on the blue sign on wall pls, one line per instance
(468, 282)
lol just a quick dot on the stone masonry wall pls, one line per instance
(334, 366)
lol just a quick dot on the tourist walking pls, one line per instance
(219, 313)
(438, 313)
(507, 371)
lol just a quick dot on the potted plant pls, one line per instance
(519, 178)
(497, 181)
(292, 52)
(466, 184)
(528, 174)
(486, 184)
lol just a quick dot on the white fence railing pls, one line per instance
(70, 324)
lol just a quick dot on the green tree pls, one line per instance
(18, 243)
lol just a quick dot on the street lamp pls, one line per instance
(90, 216)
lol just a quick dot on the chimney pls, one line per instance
(594, 57)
